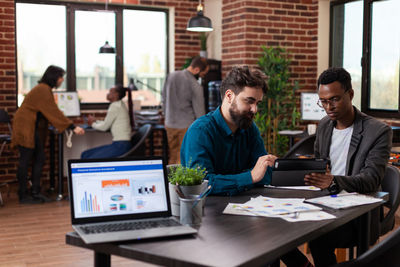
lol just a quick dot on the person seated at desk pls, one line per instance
(117, 119)
(30, 126)
(226, 141)
(358, 147)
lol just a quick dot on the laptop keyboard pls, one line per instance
(127, 226)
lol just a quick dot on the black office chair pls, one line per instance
(5, 139)
(303, 147)
(384, 254)
(138, 142)
(390, 184)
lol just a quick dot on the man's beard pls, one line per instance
(243, 120)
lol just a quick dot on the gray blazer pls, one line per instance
(368, 155)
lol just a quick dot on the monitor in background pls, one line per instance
(309, 108)
(68, 103)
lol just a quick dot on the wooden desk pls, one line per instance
(229, 240)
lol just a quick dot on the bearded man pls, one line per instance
(227, 142)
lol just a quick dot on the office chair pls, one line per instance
(138, 142)
(5, 139)
(303, 147)
(391, 184)
(384, 254)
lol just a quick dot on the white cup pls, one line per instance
(311, 128)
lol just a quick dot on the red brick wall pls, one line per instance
(291, 24)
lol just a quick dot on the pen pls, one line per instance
(202, 195)
(344, 194)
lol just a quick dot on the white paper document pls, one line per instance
(290, 209)
(345, 200)
(300, 187)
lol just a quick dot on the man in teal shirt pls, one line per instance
(226, 141)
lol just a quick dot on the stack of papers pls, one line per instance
(345, 200)
(290, 209)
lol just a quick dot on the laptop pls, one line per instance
(121, 199)
(291, 172)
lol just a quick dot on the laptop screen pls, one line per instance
(101, 188)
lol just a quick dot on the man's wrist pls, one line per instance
(333, 187)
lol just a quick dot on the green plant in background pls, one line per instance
(278, 109)
(203, 41)
(186, 176)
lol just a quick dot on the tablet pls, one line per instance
(288, 172)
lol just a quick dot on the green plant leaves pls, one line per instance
(186, 176)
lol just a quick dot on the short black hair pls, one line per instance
(120, 90)
(199, 62)
(240, 77)
(51, 75)
(335, 75)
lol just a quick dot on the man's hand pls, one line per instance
(90, 120)
(321, 180)
(260, 168)
(79, 131)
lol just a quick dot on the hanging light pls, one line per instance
(199, 23)
(107, 48)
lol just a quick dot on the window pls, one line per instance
(72, 41)
(34, 35)
(365, 40)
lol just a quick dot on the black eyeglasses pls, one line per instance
(323, 103)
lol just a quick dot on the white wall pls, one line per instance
(323, 35)
(213, 10)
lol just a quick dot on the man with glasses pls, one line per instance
(358, 147)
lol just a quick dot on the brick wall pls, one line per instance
(291, 24)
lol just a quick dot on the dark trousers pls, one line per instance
(323, 248)
(25, 157)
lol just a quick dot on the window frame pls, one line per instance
(365, 59)
(71, 7)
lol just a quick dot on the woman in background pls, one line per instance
(30, 127)
(117, 119)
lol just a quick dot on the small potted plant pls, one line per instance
(188, 181)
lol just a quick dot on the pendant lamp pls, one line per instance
(107, 48)
(199, 23)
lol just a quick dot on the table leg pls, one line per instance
(102, 260)
(60, 166)
(52, 161)
(364, 230)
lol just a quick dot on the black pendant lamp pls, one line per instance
(199, 23)
(107, 48)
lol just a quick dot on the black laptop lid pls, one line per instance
(117, 189)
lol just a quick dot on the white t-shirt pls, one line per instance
(339, 149)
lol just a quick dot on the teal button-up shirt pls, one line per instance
(228, 157)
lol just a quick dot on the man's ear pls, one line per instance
(351, 94)
(196, 70)
(229, 95)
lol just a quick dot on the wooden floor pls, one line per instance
(34, 235)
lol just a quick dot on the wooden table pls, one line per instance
(229, 240)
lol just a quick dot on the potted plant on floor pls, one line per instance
(189, 181)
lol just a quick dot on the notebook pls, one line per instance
(121, 199)
(291, 172)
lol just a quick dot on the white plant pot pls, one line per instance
(186, 190)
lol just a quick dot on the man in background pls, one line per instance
(183, 103)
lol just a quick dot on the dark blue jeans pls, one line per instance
(113, 150)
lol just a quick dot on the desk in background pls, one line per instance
(230, 240)
(91, 141)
